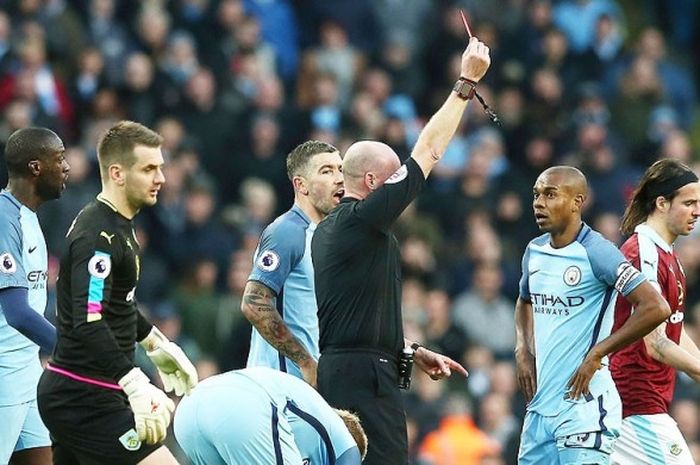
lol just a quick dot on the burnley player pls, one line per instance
(99, 407)
(665, 205)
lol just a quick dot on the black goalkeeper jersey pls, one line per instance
(97, 319)
(357, 267)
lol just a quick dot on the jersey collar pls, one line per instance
(11, 198)
(297, 209)
(649, 232)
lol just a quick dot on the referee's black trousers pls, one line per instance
(366, 383)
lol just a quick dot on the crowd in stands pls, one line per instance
(233, 85)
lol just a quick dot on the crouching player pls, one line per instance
(260, 415)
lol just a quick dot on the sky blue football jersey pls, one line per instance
(23, 263)
(282, 262)
(573, 291)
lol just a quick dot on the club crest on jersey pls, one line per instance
(100, 265)
(398, 176)
(7, 263)
(130, 440)
(268, 261)
(675, 449)
(572, 275)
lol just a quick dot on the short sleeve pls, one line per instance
(611, 267)
(383, 206)
(524, 284)
(12, 273)
(281, 247)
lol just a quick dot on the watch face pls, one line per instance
(464, 89)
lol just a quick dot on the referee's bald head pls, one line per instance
(367, 164)
(27, 145)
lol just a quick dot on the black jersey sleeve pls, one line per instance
(383, 206)
(92, 260)
(143, 326)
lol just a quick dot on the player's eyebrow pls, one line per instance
(545, 188)
(328, 165)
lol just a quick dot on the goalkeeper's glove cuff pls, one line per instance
(133, 381)
(154, 340)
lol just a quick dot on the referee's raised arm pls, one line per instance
(438, 132)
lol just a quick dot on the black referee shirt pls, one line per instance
(97, 318)
(357, 268)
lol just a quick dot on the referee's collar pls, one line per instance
(349, 199)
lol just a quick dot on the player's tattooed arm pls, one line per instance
(679, 356)
(259, 306)
(657, 344)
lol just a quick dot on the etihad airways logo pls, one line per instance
(551, 304)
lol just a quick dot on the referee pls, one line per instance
(358, 277)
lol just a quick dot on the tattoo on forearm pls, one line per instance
(262, 312)
(660, 344)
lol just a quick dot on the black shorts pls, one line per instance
(89, 425)
(366, 382)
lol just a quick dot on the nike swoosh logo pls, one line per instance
(533, 272)
(32, 249)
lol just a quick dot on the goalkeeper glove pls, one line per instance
(151, 407)
(175, 369)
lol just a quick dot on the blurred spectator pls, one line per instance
(496, 419)
(577, 18)
(110, 36)
(197, 304)
(442, 333)
(278, 26)
(334, 56)
(458, 441)
(483, 312)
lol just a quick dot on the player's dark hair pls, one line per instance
(118, 143)
(29, 144)
(662, 179)
(298, 159)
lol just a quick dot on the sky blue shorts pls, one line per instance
(22, 428)
(584, 433)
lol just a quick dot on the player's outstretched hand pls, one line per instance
(475, 60)
(526, 373)
(578, 384)
(151, 407)
(437, 366)
(175, 369)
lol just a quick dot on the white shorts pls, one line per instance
(22, 428)
(651, 440)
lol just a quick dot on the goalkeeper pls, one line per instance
(99, 407)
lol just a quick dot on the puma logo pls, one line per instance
(109, 237)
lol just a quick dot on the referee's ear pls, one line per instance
(370, 180)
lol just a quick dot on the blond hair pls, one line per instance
(352, 422)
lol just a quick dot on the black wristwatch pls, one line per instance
(465, 88)
(415, 346)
